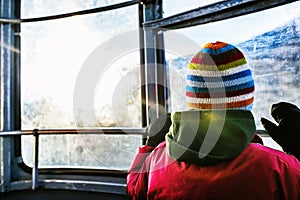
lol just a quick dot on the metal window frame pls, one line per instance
(10, 91)
(214, 12)
(16, 175)
(155, 25)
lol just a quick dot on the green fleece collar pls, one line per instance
(209, 137)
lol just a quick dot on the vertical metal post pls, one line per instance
(153, 11)
(9, 88)
(35, 168)
(142, 64)
(162, 90)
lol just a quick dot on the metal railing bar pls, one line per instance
(71, 14)
(214, 12)
(112, 131)
(35, 168)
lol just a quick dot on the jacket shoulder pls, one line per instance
(277, 157)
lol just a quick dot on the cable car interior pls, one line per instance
(81, 80)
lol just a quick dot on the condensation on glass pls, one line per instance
(67, 59)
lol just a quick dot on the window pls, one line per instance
(79, 80)
(268, 40)
(76, 75)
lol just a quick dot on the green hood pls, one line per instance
(209, 137)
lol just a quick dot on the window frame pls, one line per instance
(151, 55)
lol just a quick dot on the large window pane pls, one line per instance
(269, 41)
(79, 72)
(92, 151)
(54, 56)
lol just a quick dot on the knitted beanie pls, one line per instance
(218, 77)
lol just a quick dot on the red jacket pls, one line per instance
(257, 173)
(208, 155)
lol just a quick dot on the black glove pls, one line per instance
(158, 129)
(287, 133)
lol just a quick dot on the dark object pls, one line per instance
(286, 133)
(158, 129)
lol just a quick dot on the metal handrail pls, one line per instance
(121, 130)
(72, 14)
(35, 132)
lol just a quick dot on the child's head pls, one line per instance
(218, 77)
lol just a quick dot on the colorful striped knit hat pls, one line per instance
(218, 77)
